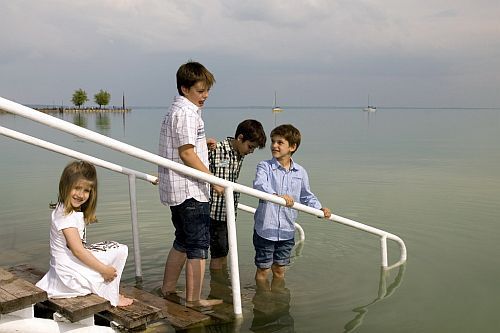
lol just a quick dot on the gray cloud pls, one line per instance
(316, 52)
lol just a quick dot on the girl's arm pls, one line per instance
(74, 243)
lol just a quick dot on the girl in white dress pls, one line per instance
(78, 269)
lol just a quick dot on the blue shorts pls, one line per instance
(269, 252)
(191, 220)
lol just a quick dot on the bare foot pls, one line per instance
(203, 302)
(125, 301)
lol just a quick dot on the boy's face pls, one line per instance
(244, 147)
(196, 94)
(280, 147)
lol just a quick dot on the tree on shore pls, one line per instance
(79, 97)
(102, 98)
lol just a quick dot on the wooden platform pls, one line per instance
(17, 294)
(146, 309)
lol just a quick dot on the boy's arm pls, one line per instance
(307, 197)
(261, 181)
(191, 159)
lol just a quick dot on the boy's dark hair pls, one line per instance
(252, 130)
(290, 133)
(190, 73)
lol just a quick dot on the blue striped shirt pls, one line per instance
(275, 222)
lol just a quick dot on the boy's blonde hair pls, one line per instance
(290, 133)
(72, 173)
(190, 73)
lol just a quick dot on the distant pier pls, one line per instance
(79, 110)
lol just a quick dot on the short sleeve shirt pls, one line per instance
(182, 125)
(58, 246)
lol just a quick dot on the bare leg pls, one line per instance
(278, 271)
(218, 263)
(173, 267)
(262, 284)
(277, 284)
(261, 277)
(195, 271)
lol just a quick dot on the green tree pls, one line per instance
(79, 97)
(102, 98)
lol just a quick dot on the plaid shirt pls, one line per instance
(182, 125)
(225, 163)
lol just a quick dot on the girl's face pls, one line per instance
(80, 193)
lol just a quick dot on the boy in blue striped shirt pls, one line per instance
(274, 229)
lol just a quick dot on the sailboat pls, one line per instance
(370, 108)
(276, 108)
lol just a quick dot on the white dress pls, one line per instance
(67, 275)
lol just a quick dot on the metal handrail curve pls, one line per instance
(230, 187)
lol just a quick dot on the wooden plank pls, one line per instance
(133, 316)
(177, 315)
(16, 293)
(217, 313)
(75, 308)
(27, 273)
(78, 308)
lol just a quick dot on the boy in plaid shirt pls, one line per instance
(225, 162)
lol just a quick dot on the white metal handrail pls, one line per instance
(230, 187)
(132, 175)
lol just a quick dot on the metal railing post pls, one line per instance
(383, 248)
(233, 250)
(135, 228)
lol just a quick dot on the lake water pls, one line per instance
(430, 176)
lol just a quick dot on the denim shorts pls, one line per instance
(219, 244)
(269, 252)
(191, 220)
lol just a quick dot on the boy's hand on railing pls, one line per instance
(327, 212)
(211, 143)
(218, 189)
(288, 199)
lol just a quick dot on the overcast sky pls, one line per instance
(313, 53)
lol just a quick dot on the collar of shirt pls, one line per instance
(186, 102)
(276, 165)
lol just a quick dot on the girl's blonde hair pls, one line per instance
(72, 173)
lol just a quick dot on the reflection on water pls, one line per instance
(80, 120)
(271, 308)
(429, 176)
(102, 123)
(220, 285)
(383, 292)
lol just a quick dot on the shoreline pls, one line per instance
(85, 110)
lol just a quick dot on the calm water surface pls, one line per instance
(428, 176)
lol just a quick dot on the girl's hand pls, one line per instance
(327, 212)
(109, 274)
